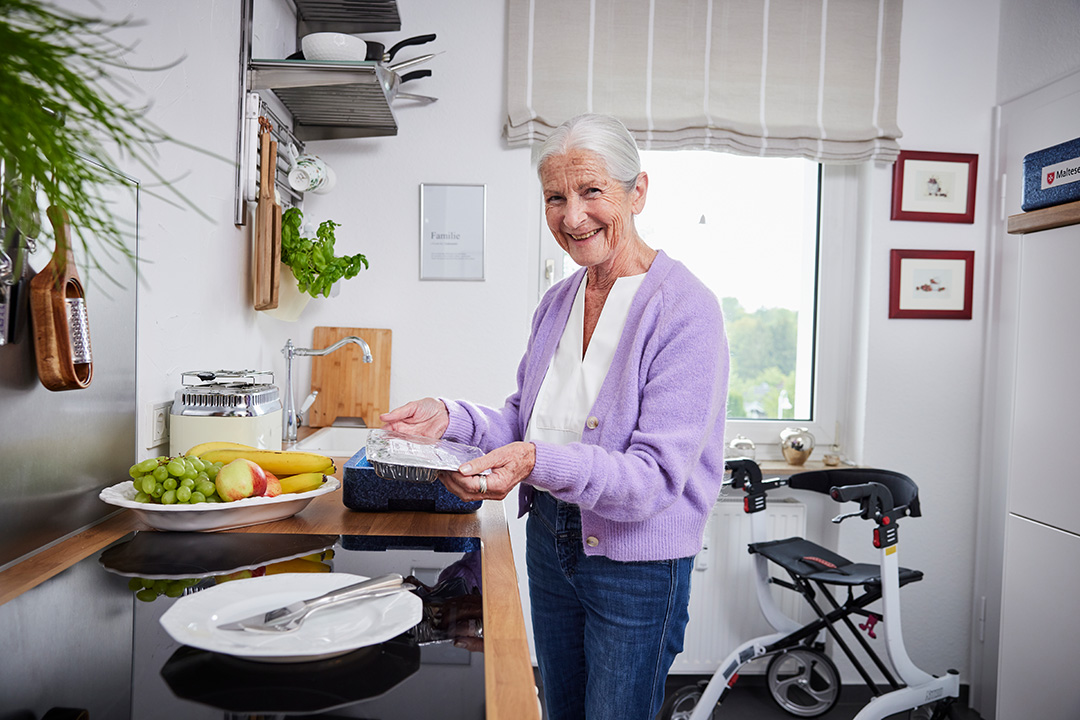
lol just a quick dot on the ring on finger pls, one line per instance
(483, 486)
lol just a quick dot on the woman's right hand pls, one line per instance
(428, 417)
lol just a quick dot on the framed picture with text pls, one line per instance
(934, 187)
(931, 284)
(452, 229)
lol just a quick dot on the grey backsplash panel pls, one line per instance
(59, 449)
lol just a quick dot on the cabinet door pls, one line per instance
(1040, 638)
(1046, 397)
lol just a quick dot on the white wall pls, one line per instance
(1037, 45)
(922, 377)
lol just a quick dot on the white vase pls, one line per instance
(291, 302)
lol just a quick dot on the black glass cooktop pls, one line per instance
(89, 639)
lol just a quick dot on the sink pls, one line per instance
(334, 441)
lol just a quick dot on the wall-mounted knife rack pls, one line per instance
(254, 108)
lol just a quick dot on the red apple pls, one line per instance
(240, 479)
(273, 485)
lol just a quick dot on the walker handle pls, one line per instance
(841, 518)
(744, 471)
(875, 498)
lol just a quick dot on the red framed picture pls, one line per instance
(931, 284)
(934, 187)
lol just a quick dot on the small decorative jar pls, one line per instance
(796, 443)
(740, 447)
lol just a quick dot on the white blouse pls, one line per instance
(572, 382)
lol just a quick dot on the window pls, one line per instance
(767, 236)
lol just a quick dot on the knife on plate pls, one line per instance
(289, 617)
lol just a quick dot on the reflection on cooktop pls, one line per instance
(432, 670)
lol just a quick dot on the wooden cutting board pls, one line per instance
(266, 242)
(49, 292)
(349, 387)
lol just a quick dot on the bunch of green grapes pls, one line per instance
(170, 480)
(149, 590)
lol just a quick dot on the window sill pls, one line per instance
(779, 468)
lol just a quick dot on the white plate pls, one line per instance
(213, 516)
(193, 619)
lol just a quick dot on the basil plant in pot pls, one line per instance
(313, 264)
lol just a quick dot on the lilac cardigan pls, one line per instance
(648, 468)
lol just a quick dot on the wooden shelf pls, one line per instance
(1045, 218)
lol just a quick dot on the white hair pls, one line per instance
(601, 134)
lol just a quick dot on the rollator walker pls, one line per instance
(801, 678)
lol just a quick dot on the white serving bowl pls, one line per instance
(207, 517)
(332, 46)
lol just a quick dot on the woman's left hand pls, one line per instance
(509, 465)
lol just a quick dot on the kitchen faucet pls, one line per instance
(291, 419)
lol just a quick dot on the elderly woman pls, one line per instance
(615, 436)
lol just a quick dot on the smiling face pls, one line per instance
(589, 212)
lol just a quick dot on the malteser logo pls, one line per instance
(1061, 173)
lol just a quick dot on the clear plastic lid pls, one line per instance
(387, 449)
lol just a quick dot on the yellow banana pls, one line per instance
(297, 565)
(203, 448)
(302, 482)
(282, 463)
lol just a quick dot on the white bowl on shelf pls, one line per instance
(333, 47)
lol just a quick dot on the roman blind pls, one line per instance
(787, 78)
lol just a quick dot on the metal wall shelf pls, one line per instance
(325, 100)
(329, 100)
(347, 16)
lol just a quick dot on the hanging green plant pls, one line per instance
(312, 260)
(62, 124)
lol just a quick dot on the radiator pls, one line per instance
(724, 610)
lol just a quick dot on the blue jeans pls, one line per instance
(606, 631)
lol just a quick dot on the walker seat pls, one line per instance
(809, 561)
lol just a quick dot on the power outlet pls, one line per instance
(159, 424)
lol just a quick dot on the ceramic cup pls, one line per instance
(309, 173)
(328, 183)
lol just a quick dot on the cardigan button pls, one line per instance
(592, 541)
(592, 423)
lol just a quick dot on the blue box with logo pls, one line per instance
(362, 489)
(1052, 176)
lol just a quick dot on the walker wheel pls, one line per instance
(803, 682)
(681, 703)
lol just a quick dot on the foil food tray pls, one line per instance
(414, 458)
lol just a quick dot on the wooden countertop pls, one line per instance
(511, 687)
